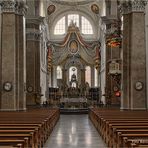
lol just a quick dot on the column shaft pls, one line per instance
(12, 54)
(134, 57)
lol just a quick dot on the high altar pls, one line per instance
(73, 55)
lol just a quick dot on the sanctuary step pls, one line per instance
(74, 110)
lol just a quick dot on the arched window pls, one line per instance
(96, 78)
(82, 22)
(60, 27)
(59, 72)
(72, 70)
(74, 18)
(88, 75)
(122, 23)
(86, 26)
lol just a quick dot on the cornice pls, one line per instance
(34, 20)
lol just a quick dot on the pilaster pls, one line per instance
(64, 75)
(12, 55)
(83, 77)
(134, 56)
(92, 76)
(55, 76)
(33, 65)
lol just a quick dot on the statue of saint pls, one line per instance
(73, 78)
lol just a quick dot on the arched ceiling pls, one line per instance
(82, 7)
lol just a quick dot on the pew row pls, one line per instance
(27, 129)
(121, 128)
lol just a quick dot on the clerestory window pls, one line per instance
(82, 22)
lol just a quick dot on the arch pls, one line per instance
(75, 18)
(96, 77)
(73, 62)
(81, 21)
(88, 75)
(60, 28)
(71, 72)
(59, 72)
(86, 26)
(63, 13)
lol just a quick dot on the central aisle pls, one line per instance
(74, 131)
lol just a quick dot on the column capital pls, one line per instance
(129, 6)
(12, 6)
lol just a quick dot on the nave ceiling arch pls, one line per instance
(83, 9)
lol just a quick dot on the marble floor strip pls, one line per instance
(74, 131)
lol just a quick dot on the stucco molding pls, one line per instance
(127, 7)
(9, 6)
(33, 35)
(34, 20)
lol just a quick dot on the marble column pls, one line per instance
(12, 55)
(54, 76)
(0, 53)
(82, 77)
(92, 76)
(78, 76)
(146, 19)
(49, 65)
(133, 56)
(33, 35)
(49, 78)
(64, 77)
(97, 76)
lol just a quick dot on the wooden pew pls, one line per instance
(109, 130)
(110, 123)
(38, 122)
(135, 143)
(134, 136)
(14, 142)
(127, 131)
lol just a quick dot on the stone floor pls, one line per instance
(74, 131)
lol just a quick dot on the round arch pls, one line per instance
(72, 62)
(81, 13)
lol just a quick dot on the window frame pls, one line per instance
(80, 24)
(61, 19)
(59, 74)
